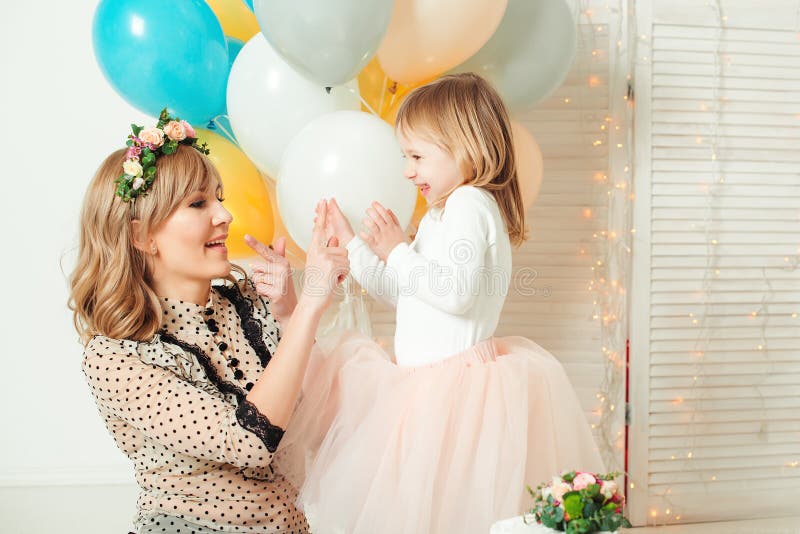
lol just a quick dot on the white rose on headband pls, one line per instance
(152, 136)
(137, 183)
(175, 131)
(132, 167)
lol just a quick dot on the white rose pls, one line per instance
(137, 183)
(153, 136)
(132, 167)
(609, 489)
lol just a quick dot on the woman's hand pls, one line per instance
(327, 264)
(383, 230)
(337, 224)
(272, 277)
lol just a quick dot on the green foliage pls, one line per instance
(581, 511)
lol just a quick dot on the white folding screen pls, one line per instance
(715, 332)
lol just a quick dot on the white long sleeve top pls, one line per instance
(449, 284)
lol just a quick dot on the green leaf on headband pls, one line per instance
(136, 129)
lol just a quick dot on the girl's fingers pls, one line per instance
(371, 225)
(376, 217)
(394, 217)
(382, 212)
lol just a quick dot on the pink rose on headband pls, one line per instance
(152, 136)
(175, 131)
(189, 130)
(583, 480)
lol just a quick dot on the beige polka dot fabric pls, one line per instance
(176, 407)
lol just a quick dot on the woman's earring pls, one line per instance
(153, 250)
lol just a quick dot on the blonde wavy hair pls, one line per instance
(110, 289)
(464, 115)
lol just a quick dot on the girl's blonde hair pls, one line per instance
(464, 115)
(111, 292)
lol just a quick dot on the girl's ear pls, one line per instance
(141, 242)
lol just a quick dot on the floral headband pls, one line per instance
(147, 144)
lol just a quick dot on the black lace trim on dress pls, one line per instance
(257, 423)
(211, 371)
(252, 327)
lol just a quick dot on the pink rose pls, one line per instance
(152, 136)
(175, 131)
(583, 480)
(188, 129)
(559, 490)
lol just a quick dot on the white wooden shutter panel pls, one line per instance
(716, 297)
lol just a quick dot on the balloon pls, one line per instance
(529, 163)
(235, 18)
(348, 155)
(294, 253)
(249, 4)
(269, 102)
(383, 95)
(427, 37)
(158, 53)
(420, 209)
(234, 47)
(246, 195)
(530, 54)
(326, 41)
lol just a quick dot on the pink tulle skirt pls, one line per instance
(379, 448)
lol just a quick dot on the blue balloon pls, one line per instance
(234, 45)
(163, 53)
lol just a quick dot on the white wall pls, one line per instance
(60, 118)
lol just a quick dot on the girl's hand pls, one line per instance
(337, 224)
(272, 277)
(383, 230)
(327, 264)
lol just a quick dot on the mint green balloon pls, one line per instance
(530, 53)
(327, 41)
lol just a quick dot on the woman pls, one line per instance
(195, 382)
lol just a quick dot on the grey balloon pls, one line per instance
(327, 41)
(530, 53)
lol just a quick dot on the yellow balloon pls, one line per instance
(382, 94)
(420, 209)
(234, 17)
(246, 196)
(294, 253)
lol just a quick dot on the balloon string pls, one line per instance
(364, 102)
(383, 91)
(218, 125)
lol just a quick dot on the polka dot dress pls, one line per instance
(176, 407)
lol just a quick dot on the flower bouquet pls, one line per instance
(579, 503)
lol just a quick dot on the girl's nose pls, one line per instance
(410, 171)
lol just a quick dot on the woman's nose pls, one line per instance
(222, 216)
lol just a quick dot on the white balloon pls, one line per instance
(348, 155)
(269, 102)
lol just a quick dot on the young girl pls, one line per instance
(446, 439)
(195, 383)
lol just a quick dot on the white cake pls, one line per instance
(516, 525)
